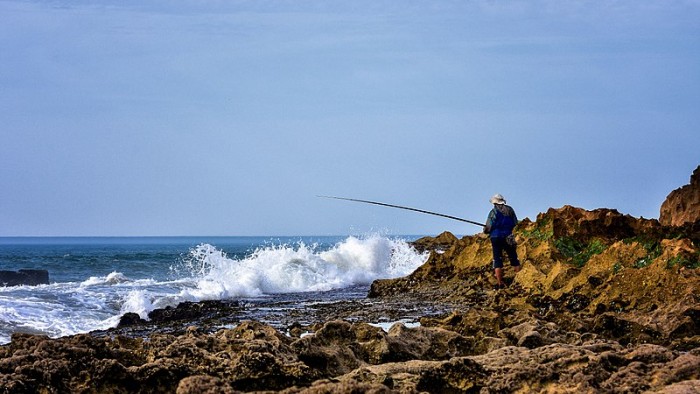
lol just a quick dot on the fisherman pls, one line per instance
(499, 226)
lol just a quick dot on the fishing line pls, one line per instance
(406, 208)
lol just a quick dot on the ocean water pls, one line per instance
(93, 281)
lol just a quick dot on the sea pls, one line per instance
(93, 281)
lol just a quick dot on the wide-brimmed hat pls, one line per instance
(497, 199)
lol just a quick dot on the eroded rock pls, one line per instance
(682, 206)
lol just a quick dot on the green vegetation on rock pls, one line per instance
(542, 232)
(652, 247)
(684, 261)
(578, 252)
(617, 267)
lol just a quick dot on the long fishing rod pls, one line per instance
(407, 208)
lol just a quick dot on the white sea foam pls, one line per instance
(300, 267)
(55, 310)
(386, 326)
(284, 268)
(111, 279)
(206, 273)
(138, 301)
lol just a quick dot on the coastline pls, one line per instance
(558, 327)
(604, 302)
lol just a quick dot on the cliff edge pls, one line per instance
(682, 206)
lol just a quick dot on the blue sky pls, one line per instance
(229, 117)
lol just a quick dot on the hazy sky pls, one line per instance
(229, 117)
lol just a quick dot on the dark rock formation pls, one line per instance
(24, 277)
(191, 311)
(682, 205)
(130, 319)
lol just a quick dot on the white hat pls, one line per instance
(497, 199)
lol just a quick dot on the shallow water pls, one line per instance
(93, 281)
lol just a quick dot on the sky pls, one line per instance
(157, 118)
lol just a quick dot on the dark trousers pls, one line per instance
(498, 245)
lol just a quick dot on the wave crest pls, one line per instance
(300, 267)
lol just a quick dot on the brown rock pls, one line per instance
(203, 384)
(685, 387)
(328, 387)
(440, 243)
(331, 351)
(423, 343)
(458, 375)
(683, 204)
(256, 357)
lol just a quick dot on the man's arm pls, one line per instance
(489, 222)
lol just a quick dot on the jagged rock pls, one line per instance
(682, 205)
(256, 357)
(577, 265)
(440, 243)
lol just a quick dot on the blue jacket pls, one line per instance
(501, 221)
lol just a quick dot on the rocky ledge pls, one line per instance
(605, 302)
(27, 277)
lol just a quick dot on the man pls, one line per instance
(499, 226)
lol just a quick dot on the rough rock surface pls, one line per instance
(604, 303)
(344, 357)
(682, 205)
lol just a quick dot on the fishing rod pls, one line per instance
(401, 207)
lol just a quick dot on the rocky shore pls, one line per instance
(605, 302)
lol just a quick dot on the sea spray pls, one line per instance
(300, 267)
(108, 278)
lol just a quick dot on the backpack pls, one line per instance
(503, 222)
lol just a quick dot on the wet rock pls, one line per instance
(190, 311)
(130, 319)
(26, 277)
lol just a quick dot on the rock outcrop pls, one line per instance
(588, 271)
(682, 206)
(24, 277)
